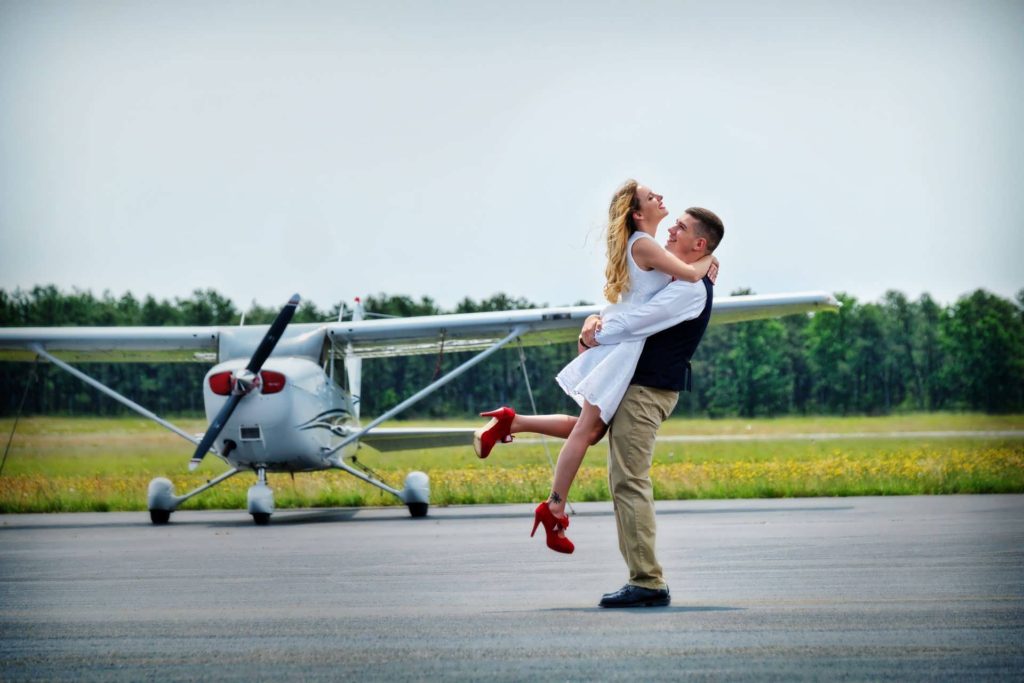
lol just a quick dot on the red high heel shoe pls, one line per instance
(498, 429)
(552, 525)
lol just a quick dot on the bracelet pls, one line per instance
(583, 343)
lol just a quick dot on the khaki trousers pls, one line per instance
(630, 450)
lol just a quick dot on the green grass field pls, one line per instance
(79, 464)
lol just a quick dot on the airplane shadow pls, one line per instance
(324, 517)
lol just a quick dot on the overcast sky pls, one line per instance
(455, 149)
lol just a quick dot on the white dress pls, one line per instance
(601, 375)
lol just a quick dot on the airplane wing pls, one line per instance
(113, 344)
(364, 338)
(475, 331)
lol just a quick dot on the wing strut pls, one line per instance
(533, 403)
(17, 416)
(427, 390)
(36, 348)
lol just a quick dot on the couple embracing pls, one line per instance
(634, 360)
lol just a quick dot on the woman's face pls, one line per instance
(652, 206)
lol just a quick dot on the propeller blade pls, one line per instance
(263, 352)
(270, 340)
(214, 430)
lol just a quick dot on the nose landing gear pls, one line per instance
(260, 499)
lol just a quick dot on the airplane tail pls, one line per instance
(354, 365)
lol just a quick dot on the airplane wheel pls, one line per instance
(261, 518)
(160, 516)
(418, 509)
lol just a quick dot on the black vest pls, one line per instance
(665, 360)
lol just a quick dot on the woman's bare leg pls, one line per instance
(559, 426)
(588, 430)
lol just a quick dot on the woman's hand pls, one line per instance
(588, 335)
(713, 270)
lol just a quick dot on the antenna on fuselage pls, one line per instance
(354, 364)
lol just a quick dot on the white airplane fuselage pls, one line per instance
(281, 428)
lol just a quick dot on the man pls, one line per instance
(673, 322)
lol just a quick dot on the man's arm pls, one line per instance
(676, 302)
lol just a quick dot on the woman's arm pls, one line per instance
(648, 254)
(674, 303)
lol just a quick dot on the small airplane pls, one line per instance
(275, 403)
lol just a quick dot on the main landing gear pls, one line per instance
(416, 494)
(160, 516)
(161, 500)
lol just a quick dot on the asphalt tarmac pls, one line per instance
(903, 588)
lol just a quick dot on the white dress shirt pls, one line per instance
(677, 301)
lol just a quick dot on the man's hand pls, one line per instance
(713, 270)
(591, 326)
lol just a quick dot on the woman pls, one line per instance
(637, 268)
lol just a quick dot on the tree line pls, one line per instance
(869, 358)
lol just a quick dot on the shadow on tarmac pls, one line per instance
(645, 610)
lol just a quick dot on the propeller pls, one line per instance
(245, 380)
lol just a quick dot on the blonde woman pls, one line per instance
(637, 268)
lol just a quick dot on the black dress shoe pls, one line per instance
(636, 596)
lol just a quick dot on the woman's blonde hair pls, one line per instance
(620, 228)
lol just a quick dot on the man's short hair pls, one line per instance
(710, 226)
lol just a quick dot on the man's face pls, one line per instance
(683, 238)
(652, 205)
